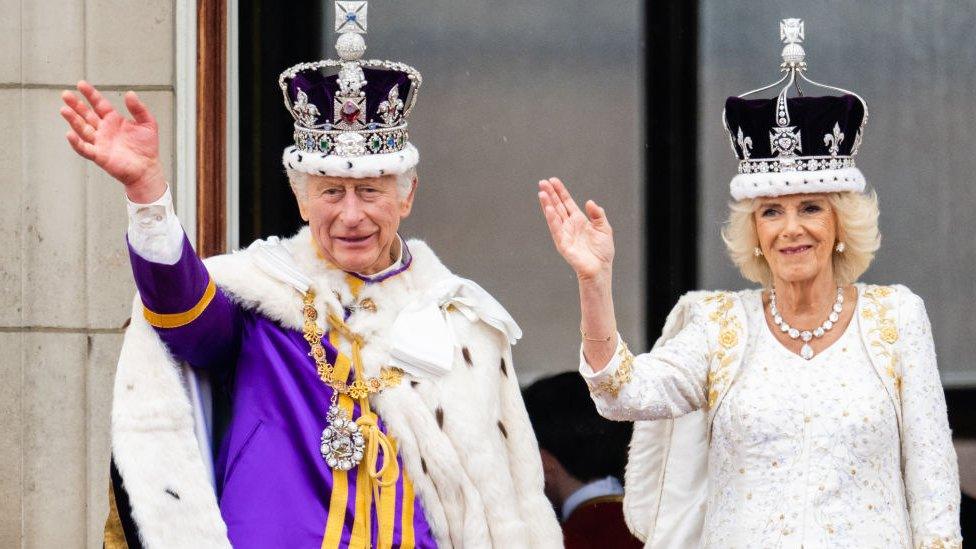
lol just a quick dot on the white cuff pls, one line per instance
(154, 231)
(592, 377)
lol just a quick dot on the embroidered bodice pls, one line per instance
(805, 453)
(851, 449)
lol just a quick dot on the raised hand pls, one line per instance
(128, 150)
(585, 240)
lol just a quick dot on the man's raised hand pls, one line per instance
(585, 240)
(128, 150)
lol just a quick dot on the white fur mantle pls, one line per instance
(465, 438)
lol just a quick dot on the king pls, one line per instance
(338, 388)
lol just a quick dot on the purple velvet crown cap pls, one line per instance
(808, 147)
(321, 87)
(813, 117)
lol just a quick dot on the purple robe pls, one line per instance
(273, 486)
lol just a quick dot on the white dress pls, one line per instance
(806, 453)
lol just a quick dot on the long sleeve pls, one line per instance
(667, 382)
(195, 319)
(154, 231)
(929, 459)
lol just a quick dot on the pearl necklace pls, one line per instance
(806, 335)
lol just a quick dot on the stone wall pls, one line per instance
(65, 284)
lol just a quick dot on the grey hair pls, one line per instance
(299, 182)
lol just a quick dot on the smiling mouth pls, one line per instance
(354, 239)
(793, 250)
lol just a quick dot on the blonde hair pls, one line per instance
(857, 227)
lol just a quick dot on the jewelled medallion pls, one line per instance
(342, 442)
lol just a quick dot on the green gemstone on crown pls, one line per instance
(375, 142)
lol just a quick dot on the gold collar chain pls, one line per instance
(361, 386)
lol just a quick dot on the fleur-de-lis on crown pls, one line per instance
(834, 140)
(745, 144)
(391, 109)
(306, 113)
(857, 142)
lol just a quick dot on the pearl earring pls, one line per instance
(757, 252)
(840, 247)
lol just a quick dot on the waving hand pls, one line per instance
(585, 240)
(127, 149)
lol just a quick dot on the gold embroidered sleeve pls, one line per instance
(621, 376)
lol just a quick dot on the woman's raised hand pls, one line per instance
(128, 150)
(585, 240)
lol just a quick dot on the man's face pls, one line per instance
(354, 221)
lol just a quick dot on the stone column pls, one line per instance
(65, 284)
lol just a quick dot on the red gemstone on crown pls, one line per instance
(350, 112)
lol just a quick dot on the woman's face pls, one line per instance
(797, 234)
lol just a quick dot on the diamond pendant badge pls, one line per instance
(342, 443)
(806, 351)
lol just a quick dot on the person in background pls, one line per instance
(583, 457)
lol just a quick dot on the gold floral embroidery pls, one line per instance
(883, 291)
(884, 329)
(941, 543)
(622, 376)
(889, 334)
(728, 339)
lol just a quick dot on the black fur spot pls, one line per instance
(501, 427)
(439, 414)
(173, 494)
(382, 172)
(414, 383)
(467, 355)
(299, 158)
(423, 465)
(348, 164)
(504, 368)
(322, 172)
(290, 166)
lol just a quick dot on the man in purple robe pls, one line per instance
(372, 395)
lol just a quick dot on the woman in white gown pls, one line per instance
(824, 421)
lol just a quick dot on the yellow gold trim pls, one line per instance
(176, 320)
(361, 528)
(340, 480)
(355, 285)
(114, 537)
(387, 508)
(407, 540)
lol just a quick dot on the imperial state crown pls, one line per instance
(350, 113)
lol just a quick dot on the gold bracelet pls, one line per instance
(602, 340)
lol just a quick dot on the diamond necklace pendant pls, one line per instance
(342, 443)
(806, 351)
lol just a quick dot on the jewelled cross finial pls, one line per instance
(350, 16)
(791, 33)
(791, 30)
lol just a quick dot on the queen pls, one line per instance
(806, 413)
